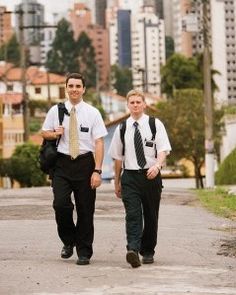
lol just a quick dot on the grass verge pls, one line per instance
(219, 201)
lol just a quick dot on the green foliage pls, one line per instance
(86, 59)
(68, 55)
(62, 58)
(92, 97)
(170, 47)
(122, 79)
(219, 201)
(180, 73)
(10, 52)
(24, 166)
(183, 117)
(226, 173)
(35, 125)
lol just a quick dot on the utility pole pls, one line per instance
(208, 103)
(23, 75)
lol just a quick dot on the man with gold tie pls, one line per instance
(138, 178)
(78, 168)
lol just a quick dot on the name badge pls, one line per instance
(149, 143)
(84, 129)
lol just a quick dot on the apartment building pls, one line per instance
(6, 30)
(81, 20)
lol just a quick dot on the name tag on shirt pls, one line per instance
(84, 129)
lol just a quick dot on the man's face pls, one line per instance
(136, 105)
(75, 89)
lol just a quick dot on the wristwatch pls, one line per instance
(98, 171)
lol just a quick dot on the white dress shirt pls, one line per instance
(161, 141)
(90, 126)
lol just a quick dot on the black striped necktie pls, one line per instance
(138, 145)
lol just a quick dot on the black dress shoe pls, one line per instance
(132, 258)
(83, 260)
(67, 251)
(147, 259)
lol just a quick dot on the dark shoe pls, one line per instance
(67, 251)
(133, 258)
(83, 260)
(147, 259)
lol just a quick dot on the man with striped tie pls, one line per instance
(139, 183)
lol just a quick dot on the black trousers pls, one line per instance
(141, 198)
(73, 176)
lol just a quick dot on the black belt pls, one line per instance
(77, 158)
(140, 171)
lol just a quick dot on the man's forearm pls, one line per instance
(99, 153)
(118, 169)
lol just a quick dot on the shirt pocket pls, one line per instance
(149, 148)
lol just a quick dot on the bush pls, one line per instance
(25, 167)
(226, 173)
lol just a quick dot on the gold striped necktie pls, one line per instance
(73, 135)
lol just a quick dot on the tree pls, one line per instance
(24, 166)
(180, 73)
(122, 79)
(10, 51)
(62, 58)
(170, 47)
(183, 117)
(86, 59)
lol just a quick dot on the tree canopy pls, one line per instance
(183, 117)
(69, 55)
(121, 79)
(10, 51)
(180, 72)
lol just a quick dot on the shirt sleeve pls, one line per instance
(115, 149)
(162, 140)
(99, 128)
(48, 123)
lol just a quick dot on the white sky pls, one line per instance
(51, 6)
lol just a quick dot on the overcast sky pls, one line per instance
(51, 6)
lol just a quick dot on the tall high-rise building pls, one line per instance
(6, 30)
(223, 32)
(157, 5)
(81, 20)
(100, 10)
(33, 16)
(148, 50)
(124, 37)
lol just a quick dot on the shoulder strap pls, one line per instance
(122, 135)
(152, 125)
(61, 112)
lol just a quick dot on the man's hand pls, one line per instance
(96, 180)
(118, 190)
(152, 172)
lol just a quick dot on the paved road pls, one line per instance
(186, 259)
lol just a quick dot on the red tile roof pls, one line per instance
(11, 98)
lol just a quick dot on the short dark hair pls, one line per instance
(75, 76)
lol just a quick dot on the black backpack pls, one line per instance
(123, 129)
(48, 149)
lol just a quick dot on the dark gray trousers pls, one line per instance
(141, 198)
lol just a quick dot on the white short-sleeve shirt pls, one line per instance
(90, 126)
(161, 141)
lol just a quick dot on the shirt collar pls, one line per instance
(140, 121)
(78, 106)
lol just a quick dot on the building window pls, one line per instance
(10, 87)
(38, 90)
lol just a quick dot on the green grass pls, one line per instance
(219, 201)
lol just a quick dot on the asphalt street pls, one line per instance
(186, 261)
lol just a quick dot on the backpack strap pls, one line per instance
(122, 135)
(61, 112)
(152, 125)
